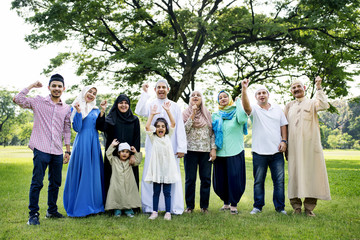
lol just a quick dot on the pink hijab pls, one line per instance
(202, 115)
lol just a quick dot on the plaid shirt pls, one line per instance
(51, 122)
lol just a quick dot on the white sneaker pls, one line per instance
(255, 211)
(153, 215)
(283, 212)
(167, 216)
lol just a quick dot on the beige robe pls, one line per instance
(123, 191)
(306, 163)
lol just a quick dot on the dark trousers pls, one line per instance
(260, 165)
(229, 178)
(191, 161)
(41, 161)
(156, 196)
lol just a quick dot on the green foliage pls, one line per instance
(7, 107)
(125, 43)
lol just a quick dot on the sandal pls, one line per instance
(233, 211)
(225, 208)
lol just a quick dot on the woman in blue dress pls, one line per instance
(84, 186)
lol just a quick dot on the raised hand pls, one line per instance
(245, 83)
(318, 81)
(115, 142)
(153, 110)
(77, 107)
(145, 87)
(103, 105)
(36, 84)
(166, 106)
(194, 108)
(133, 149)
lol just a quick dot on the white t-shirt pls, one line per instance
(266, 133)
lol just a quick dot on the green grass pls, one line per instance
(336, 219)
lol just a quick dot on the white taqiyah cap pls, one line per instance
(162, 81)
(123, 146)
(261, 87)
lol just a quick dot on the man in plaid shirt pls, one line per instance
(51, 126)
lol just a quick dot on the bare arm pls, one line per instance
(153, 112)
(283, 145)
(244, 96)
(166, 106)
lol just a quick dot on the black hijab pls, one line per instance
(116, 116)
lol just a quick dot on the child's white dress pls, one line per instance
(162, 165)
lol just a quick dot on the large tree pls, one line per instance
(130, 41)
(7, 107)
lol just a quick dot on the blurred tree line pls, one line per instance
(339, 130)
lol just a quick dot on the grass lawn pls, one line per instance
(336, 219)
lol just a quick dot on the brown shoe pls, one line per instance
(297, 211)
(204, 210)
(189, 210)
(310, 213)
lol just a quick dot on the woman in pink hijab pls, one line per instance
(201, 150)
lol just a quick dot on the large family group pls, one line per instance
(94, 185)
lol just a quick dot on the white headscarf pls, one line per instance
(84, 106)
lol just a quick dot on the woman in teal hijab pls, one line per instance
(230, 126)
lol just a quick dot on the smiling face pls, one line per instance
(223, 99)
(262, 97)
(90, 95)
(196, 99)
(124, 154)
(123, 106)
(161, 90)
(298, 90)
(160, 129)
(56, 89)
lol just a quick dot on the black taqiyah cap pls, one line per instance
(57, 77)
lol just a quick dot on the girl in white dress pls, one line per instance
(162, 170)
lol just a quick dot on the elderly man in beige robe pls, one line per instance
(307, 170)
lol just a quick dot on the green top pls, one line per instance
(233, 135)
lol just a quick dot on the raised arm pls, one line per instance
(24, 101)
(166, 106)
(321, 99)
(153, 112)
(244, 96)
(142, 107)
(103, 106)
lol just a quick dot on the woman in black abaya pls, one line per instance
(120, 124)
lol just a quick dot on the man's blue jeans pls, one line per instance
(41, 161)
(276, 164)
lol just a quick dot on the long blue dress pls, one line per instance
(84, 186)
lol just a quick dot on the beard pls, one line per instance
(54, 96)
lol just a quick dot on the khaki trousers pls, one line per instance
(309, 203)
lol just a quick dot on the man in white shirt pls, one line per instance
(178, 140)
(269, 141)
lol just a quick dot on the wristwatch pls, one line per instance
(284, 141)
(68, 152)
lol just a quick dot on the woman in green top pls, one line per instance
(229, 125)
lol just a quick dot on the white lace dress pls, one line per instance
(162, 165)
